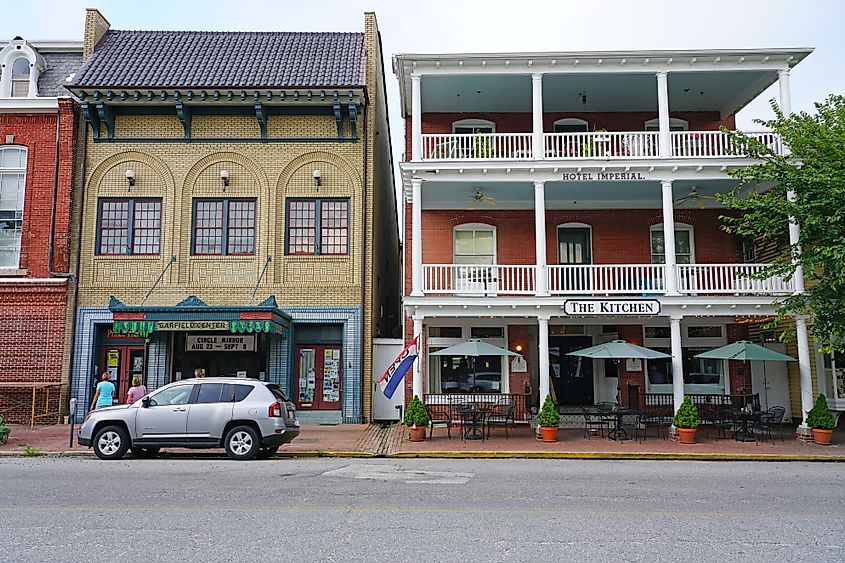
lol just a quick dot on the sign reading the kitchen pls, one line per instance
(219, 343)
(612, 307)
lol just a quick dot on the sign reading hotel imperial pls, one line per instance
(612, 307)
(602, 176)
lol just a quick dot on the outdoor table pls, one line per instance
(618, 432)
(744, 433)
(474, 415)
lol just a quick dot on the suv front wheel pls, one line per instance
(111, 442)
(242, 443)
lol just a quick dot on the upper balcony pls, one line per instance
(569, 107)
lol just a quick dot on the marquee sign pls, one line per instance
(219, 343)
(602, 307)
(192, 325)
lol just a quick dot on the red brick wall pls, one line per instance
(619, 235)
(522, 122)
(740, 372)
(518, 334)
(634, 335)
(32, 314)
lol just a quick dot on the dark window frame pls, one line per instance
(130, 228)
(318, 228)
(224, 243)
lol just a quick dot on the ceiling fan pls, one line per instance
(695, 196)
(478, 197)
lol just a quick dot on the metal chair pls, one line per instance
(660, 419)
(501, 415)
(439, 414)
(593, 420)
(768, 420)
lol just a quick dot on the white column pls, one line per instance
(663, 114)
(677, 361)
(416, 238)
(785, 96)
(416, 118)
(544, 358)
(417, 383)
(669, 237)
(541, 289)
(537, 114)
(805, 374)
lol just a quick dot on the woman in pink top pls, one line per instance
(136, 391)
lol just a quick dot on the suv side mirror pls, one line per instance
(145, 402)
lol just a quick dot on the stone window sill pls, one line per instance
(12, 272)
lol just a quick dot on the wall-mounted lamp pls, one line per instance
(130, 178)
(224, 175)
(317, 178)
(518, 347)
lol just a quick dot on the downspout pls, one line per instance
(364, 256)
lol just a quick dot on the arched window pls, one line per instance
(675, 124)
(473, 126)
(12, 184)
(20, 78)
(684, 244)
(571, 125)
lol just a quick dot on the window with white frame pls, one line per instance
(475, 243)
(20, 78)
(675, 124)
(21, 67)
(834, 373)
(684, 244)
(571, 125)
(12, 185)
(473, 126)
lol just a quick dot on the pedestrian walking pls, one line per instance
(104, 395)
(136, 391)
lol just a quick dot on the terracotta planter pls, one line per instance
(687, 435)
(548, 434)
(822, 437)
(417, 434)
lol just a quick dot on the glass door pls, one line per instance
(319, 372)
(575, 249)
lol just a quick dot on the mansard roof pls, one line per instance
(216, 59)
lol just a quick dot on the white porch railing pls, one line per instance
(607, 279)
(705, 144)
(729, 279)
(472, 279)
(611, 145)
(477, 146)
(601, 145)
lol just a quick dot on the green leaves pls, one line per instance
(820, 416)
(809, 186)
(687, 415)
(548, 416)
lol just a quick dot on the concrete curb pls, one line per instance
(644, 456)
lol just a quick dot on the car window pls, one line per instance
(236, 392)
(177, 395)
(209, 393)
(277, 392)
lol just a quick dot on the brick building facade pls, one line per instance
(37, 140)
(254, 211)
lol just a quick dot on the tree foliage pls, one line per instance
(814, 173)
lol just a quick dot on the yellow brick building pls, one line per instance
(236, 189)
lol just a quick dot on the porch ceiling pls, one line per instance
(569, 195)
(723, 91)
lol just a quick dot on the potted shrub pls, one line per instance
(821, 420)
(686, 421)
(4, 431)
(548, 420)
(416, 419)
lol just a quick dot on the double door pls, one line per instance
(319, 373)
(123, 363)
(572, 376)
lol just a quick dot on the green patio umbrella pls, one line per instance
(745, 351)
(474, 347)
(617, 350)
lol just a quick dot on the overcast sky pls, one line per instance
(436, 26)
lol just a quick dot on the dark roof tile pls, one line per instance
(230, 59)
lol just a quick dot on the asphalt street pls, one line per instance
(326, 509)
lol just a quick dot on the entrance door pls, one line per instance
(771, 381)
(572, 377)
(123, 363)
(319, 370)
(575, 249)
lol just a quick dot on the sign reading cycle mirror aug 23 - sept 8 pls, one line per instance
(219, 343)
(612, 307)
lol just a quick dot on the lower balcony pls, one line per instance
(600, 280)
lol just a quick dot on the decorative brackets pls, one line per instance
(338, 118)
(261, 116)
(107, 116)
(184, 113)
(92, 118)
(353, 119)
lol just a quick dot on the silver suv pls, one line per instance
(249, 418)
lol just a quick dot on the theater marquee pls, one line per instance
(612, 307)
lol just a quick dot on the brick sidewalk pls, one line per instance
(392, 440)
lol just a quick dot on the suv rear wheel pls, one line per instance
(242, 443)
(111, 442)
